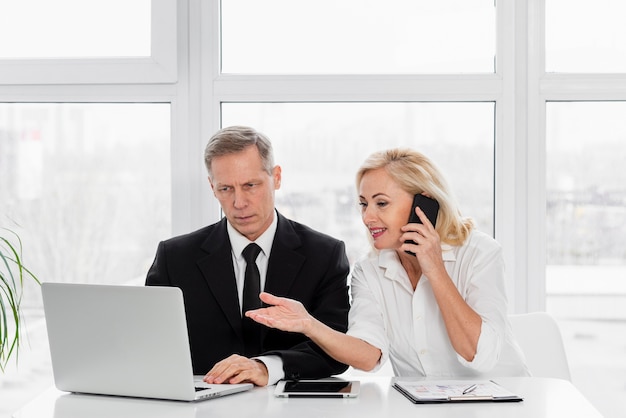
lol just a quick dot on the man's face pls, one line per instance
(245, 191)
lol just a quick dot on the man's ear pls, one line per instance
(277, 175)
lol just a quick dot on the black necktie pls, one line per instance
(251, 290)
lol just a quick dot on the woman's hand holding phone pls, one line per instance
(429, 206)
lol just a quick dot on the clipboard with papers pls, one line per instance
(443, 391)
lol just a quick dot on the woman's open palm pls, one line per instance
(284, 314)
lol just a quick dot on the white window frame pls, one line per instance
(542, 88)
(184, 71)
(498, 88)
(162, 78)
(159, 67)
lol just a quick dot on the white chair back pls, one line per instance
(539, 337)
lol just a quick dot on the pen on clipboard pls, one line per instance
(469, 389)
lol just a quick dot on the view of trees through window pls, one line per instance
(586, 206)
(87, 187)
(321, 145)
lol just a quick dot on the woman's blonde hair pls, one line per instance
(416, 174)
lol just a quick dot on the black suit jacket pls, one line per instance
(304, 265)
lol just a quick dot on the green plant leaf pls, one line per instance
(12, 275)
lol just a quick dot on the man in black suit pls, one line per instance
(295, 261)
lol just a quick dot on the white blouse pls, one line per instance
(408, 326)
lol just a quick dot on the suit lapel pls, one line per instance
(217, 269)
(285, 262)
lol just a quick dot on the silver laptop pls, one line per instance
(123, 340)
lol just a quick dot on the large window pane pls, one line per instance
(585, 36)
(586, 198)
(87, 186)
(74, 28)
(586, 241)
(358, 36)
(321, 145)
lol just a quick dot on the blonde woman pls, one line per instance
(431, 298)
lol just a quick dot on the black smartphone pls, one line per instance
(429, 206)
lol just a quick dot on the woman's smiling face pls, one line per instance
(385, 208)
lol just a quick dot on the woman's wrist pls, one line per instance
(312, 327)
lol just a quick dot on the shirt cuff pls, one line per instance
(487, 351)
(374, 341)
(274, 365)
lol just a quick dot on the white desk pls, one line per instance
(542, 398)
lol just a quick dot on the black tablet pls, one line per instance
(326, 388)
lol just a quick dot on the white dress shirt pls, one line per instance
(238, 243)
(408, 326)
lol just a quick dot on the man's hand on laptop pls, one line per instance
(238, 369)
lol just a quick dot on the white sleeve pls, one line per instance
(484, 291)
(365, 320)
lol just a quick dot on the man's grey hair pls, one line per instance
(235, 139)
